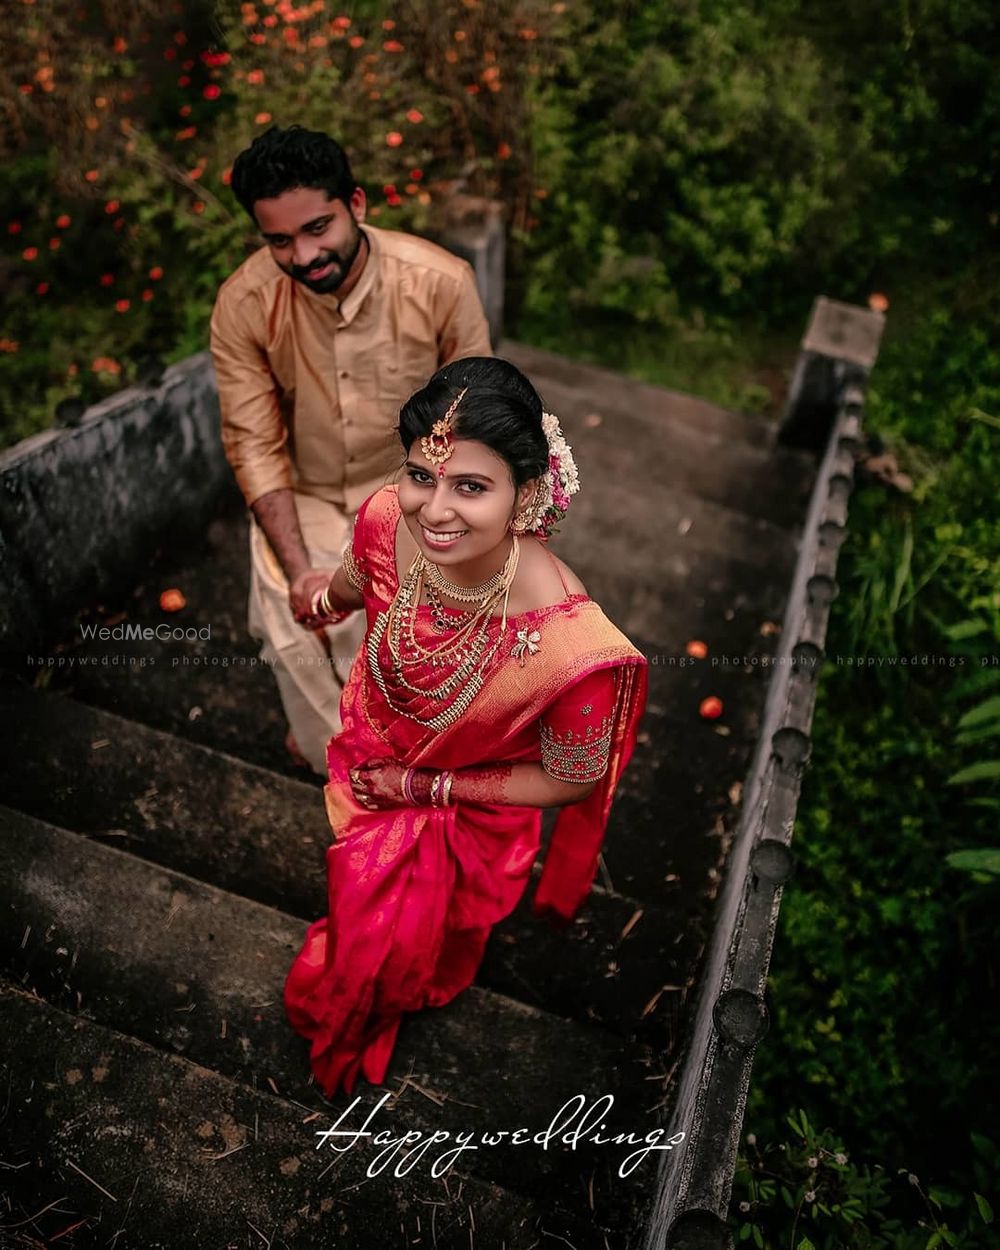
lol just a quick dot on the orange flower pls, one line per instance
(255, 75)
(9, 345)
(185, 110)
(188, 132)
(459, 36)
(356, 41)
(504, 150)
(198, 207)
(393, 139)
(878, 302)
(30, 253)
(120, 45)
(26, 88)
(416, 174)
(415, 116)
(147, 295)
(172, 600)
(105, 364)
(341, 23)
(258, 39)
(63, 220)
(697, 649)
(92, 175)
(55, 244)
(112, 207)
(392, 45)
(262, 119)
(388, 24)
(710, 708)
(226, 177)
(411, 188)
(122, 305)
(156, 273)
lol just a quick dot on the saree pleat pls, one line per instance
(414, 892)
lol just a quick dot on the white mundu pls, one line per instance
(301, 663)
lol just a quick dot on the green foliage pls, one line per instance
(807, 1192)
(886, 957)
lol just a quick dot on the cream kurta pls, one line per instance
(310, 389)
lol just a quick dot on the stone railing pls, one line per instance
(730, 1017)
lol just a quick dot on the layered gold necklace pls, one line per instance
(462, 659)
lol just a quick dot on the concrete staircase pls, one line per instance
(162, 858)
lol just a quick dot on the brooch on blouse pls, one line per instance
(527, 644)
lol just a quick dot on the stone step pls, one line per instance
(263, 837)
(610, 391)
(109, 1141)
(614, 440)
(199, 972)
(217, 692)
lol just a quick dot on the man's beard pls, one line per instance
(342, 262)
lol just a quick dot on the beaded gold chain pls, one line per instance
(467, 653)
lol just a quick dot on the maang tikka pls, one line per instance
(438, 445)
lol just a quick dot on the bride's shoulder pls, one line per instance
(543, 579)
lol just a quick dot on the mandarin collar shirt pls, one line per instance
(310, 386)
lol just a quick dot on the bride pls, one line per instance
(490, 686)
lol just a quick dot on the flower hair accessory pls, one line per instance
(557, 486)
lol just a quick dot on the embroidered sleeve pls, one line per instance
(576, 729)
(356, 558)
(354, 570)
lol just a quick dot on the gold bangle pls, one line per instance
(449, 777)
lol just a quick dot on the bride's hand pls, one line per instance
(378, 783)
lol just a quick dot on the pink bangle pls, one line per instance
(407, 787)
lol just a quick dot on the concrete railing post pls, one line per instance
(473, 228)
(839, 348)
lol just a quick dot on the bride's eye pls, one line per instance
(418, 475)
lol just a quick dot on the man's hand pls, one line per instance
(304, 589)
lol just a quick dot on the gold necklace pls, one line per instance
(467, 654)
(471, 594)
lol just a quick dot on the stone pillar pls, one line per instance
(838, 350)
(473, 227)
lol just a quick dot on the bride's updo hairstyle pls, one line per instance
(500, 409)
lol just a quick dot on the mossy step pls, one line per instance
(658, 405)
(262, 836)
(109, 1141)
(198, 971)
(612, 437)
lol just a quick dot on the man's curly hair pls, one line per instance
(282, 160)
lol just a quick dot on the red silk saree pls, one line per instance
(414, 891)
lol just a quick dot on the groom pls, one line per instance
(317, 340)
